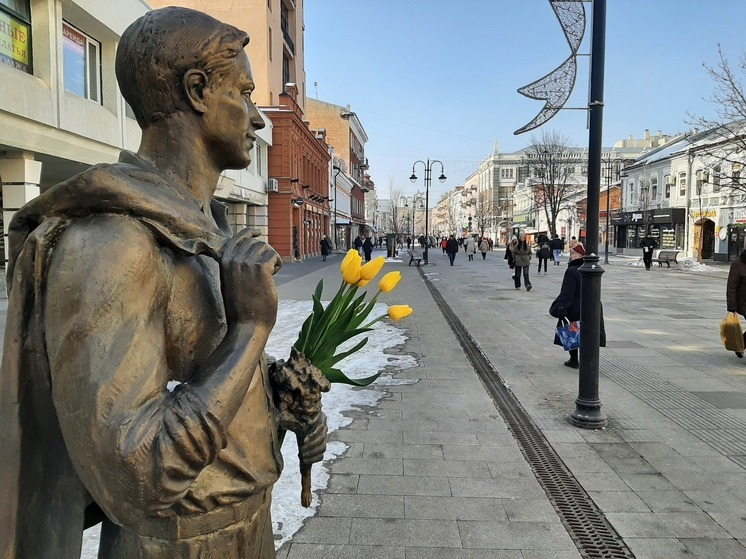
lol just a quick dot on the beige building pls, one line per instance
(61, 109)
(276, 47)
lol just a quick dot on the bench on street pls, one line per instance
(666, 256)
(416, 258)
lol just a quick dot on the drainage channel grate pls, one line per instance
(592, 533)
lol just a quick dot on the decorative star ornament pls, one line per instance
(555, 88)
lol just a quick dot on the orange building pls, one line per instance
(299, 172)
(345, 133)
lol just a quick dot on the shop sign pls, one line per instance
(706, 213)
(14, 43)
(246, 194)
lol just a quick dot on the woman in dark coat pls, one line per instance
(367, 248)
(451, 248)
(567, 303)
(509, 255)
(326, 247)
(736, 290)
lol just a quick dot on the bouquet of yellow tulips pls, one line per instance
(326, 329)
(310, 370)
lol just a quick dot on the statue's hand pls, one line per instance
(247, 266)
(312, 445)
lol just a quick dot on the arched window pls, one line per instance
(654, 189)
(682, 184)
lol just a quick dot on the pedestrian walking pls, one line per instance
(509, 255)
(556, 244)
(368, 248)
(542, 255)
(358, 244)
(326, 247)
(451, 248)
(443, 243)
(567, 303)
(465, 244)
(736, 288)
(472, 248)
(521, 252)
(484, 246)
(409, 243)
(648, 245)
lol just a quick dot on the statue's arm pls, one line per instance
(136, 446)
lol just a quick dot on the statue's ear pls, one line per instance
(195, 86)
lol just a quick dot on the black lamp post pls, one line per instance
(428, 178)
(337, 170)
(612, 170)
(588, 412)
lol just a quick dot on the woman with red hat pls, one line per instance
(567, 303)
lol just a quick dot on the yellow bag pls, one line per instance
(731, 333)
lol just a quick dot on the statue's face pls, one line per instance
(232, 119)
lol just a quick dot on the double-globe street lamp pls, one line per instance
(337, 170)
(412, 212)
(613, 169)
(428, 178)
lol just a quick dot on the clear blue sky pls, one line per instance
(438, 78)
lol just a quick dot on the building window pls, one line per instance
(286, 78)
(735, 175)
(668, 182)
(716, 178)
(269, 45)
(15, 34)
(654, 188)
(682, 184)
(81, 57)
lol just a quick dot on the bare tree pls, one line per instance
(552, 161)
(723, 148)
(484, 211)
(396, 219)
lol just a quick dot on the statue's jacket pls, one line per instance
(110, 432)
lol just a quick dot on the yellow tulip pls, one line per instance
(371, 269)
(389, 281)
(363, 282)
(397, 312)
(351, 256)
(351, 272)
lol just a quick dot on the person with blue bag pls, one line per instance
(566, 307)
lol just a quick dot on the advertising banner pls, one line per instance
(14, 43)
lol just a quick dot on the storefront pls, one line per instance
(666, 226)
(735, 233)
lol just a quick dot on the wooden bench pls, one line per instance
(413, 258)
(666, 256)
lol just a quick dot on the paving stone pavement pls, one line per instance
(433, 472)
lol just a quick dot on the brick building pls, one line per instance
(299, 210)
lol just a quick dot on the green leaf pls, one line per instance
(326, 363)
(319, 289)
(301, 343)
(335, 375)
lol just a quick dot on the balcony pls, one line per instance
(286, 35)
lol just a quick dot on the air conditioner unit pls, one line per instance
(272, 185)
(670, 181)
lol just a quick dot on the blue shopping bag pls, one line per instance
(568, 333)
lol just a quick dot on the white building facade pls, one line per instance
(62, 111)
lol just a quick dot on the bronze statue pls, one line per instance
(124, 279)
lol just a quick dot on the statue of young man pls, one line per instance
(122, 280)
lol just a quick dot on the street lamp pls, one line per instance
(612, 170)
(428, 179)
(413, 210)
(337, 170)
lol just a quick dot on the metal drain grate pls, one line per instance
(589, 529)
